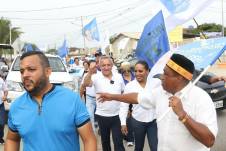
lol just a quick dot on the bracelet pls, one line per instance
(182, 117)
(185, 118)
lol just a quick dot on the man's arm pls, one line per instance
(88, 137)
(127, 98)
(216, 79)
(12, 141)
(82, 90)
(198, 130)
(87, 82)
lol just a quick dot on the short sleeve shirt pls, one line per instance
(51, 126)
(171, 132)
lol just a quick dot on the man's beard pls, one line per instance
(38, 87)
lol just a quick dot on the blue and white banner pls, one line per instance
(63, 50)
(154, 41)
(90, 31)
(181, 11)
(204, 52)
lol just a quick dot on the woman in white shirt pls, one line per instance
(143, 120)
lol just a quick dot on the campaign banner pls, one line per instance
(181, 11)
(90, 31)
(204, 52)
(154, 41)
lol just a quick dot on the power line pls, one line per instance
(51, 9)
(99, 14)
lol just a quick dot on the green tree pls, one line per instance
(207, 27)
(5, 33)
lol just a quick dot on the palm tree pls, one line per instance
(5, 32)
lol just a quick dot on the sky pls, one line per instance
(47, 23)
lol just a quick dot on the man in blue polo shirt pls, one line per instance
(47, 117)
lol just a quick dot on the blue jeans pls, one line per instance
(2, 120)
(140, 130)
(108, 125)
(91, 107)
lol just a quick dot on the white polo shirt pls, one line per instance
(139, 113)
(103, 84)
(172, 133)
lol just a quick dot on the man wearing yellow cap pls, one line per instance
(191, 123)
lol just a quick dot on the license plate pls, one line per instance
(219, 104)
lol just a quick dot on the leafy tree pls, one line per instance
(5, 33)
(207, 27)
(211, 27)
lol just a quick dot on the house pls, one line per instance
(123, 44)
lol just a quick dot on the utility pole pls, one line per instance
(84, 41)
(222, 7)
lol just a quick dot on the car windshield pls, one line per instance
(55, 63)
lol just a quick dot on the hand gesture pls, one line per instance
(177, 106)
(124, 129)
(101, 97)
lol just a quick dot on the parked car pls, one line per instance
(59, 76)
(217, 92)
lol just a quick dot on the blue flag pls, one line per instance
(28, 47)
(63, 50)
(154, 41)
(90, 31)
(203, 52)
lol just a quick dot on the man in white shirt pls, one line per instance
(107, 113)
(191, 123)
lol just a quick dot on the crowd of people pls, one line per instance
(121, 103)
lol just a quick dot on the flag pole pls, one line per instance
(199, 28)
(84, 41)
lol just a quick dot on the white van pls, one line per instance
(59, 76)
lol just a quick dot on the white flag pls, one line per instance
(181, 11)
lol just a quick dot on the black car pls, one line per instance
(217, 92)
